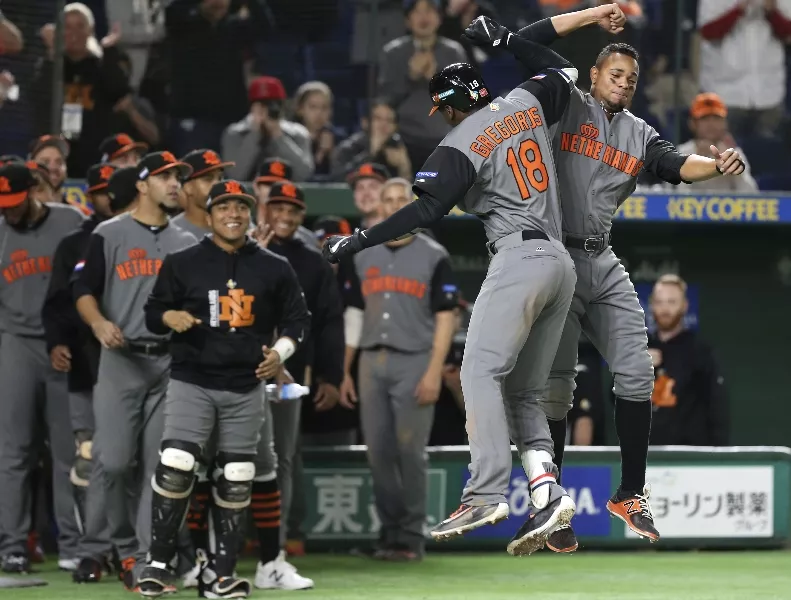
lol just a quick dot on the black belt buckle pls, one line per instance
(147, 348)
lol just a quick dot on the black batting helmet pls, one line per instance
(459, 85)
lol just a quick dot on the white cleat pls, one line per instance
(278, 574)
(68, 564)
(190, 579)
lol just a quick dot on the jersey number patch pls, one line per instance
(530, 159)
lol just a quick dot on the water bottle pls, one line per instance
(290, 391)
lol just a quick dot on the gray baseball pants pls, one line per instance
(129, 412)
(514, 331)
(28, 381)
(607, 309)
(396, 430)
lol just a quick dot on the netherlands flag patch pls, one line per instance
(541, 76)
(79, 266)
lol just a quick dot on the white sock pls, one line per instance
(533, 463)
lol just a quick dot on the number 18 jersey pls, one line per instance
(504, 153)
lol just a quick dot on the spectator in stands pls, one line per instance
(52, 151)
(743, 60)
(689, 400)
(406, 66)
(377, 142)
(708, 121)
(209, 47)
(95, 87)
(366, 182)
(313, 109)
(458, 15)
(11, 41)
(264, 134)
(142, 119)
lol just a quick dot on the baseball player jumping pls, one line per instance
(30, 230)
(497, 163)
(223, 299)
(112, 285)
(599, 149)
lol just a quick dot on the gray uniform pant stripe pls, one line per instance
(28, 381)
(514, 331)
(396, 430)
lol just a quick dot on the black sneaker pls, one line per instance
(88, 571)
(563, 540)
(16, 563)
(542, 523)
(226, 587)
(466, 518)
(634, 510)
(154, 582)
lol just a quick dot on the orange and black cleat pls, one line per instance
(127, 575)
(635, 511)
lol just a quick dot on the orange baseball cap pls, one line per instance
(706, 105)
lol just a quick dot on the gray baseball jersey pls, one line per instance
(124, 257)
(598, 162)
(26, 263)
(400, 289)
(182, 222)
(509, 146)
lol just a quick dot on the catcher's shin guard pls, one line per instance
(80, 475)
(233, 482)
(172, 484)
(198, 513)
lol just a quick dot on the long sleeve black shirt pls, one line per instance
(62, 323)
(690, 405)
(242, 299)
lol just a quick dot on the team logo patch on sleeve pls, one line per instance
(427, 174)
(79, 266)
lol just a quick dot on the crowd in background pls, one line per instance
(332, 84)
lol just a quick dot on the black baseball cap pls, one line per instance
(45, 141)
(368, 171)
(16, 180)
(159, 162)
(286, 191)
(119, 144)
(122, 188)
(274, 169)
(99, 176)
(329, 225)
(229, 189)
(204, 161)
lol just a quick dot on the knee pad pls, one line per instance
(81, 467)
(175, 473)
(233, 480)
(560, 398)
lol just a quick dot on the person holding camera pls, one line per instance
(378, 142)
(264, 133)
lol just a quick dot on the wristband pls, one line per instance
(285, 348)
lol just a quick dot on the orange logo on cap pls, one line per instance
(137, 253)
(168, 156)
(19, 255)
(124, 140)
(366, 170)
(289, 190)
(278, 168)
(105, 172)
(5, 185)
(233, 187)
(210, 158)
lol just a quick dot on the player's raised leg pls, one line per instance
(496, 334)
(616, 326)
(554, 278)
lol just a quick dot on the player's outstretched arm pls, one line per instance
(609, 17)
(663, 160)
